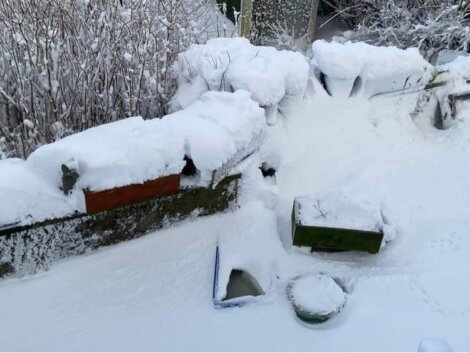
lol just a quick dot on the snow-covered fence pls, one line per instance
(66, 66)
(131, 175)
(449, 92)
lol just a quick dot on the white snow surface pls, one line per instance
(154, 293)
(317, 294)
(216, 127)
(456, 75)
(25, 197)
(337, 211)
(434, 344)
(128, 151)
(232, 64)
(380, 69)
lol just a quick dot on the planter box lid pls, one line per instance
(336, 213)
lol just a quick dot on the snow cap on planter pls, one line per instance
(230, 64)
(315, 297)
(125, 152)
(379, 69)
(216, 127)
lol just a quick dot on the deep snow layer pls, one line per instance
(155, 293)
(352, 68)
(232, 64)
(130, 151)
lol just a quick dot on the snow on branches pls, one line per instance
(68, 65)
(429, 25)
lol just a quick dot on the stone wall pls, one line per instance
(27, 250)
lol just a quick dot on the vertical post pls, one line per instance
(312, 23)
(246, 13)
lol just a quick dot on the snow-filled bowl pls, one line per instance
(315, 297)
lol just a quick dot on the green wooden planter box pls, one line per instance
(329, 238)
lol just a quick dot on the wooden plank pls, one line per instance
(99, 201)
(327, 238)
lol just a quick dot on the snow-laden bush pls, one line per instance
(233, 64)
(429, 25)
(67, 65)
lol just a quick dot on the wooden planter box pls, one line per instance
(99, 201)
(329, 238)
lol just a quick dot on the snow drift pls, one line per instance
(232, 64)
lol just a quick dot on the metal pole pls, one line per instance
(245, 23)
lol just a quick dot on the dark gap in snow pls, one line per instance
(323, 83)
(267, 170)
(231, 6)
(438, 121)
(69, 178)
(242, 284)
(190, 168)
(357, 86)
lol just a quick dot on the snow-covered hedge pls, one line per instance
(232, 64)
(66, 66)
(380, 69)
(129, 151)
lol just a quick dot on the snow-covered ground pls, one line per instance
(155, 293)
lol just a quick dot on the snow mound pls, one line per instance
(432, 344)
(132, 151)
(316, 294)
(380, 69)
(250, 243)
(129, 151)
(231, 64)
(216, 127)
(27, 198)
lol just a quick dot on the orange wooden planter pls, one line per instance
(99, 201)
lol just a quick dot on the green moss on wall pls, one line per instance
(26, 250)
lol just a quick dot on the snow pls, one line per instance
(381, 69)
(216, 127)
(447, 56)
(233, 64)
(433, 344)
(125, 152)
(154, 293)
(25, 198)
(317, 294)
(337, 212)
(129, 151)
(455, 75)
(254, 228)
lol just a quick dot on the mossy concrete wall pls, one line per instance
(27, 250)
